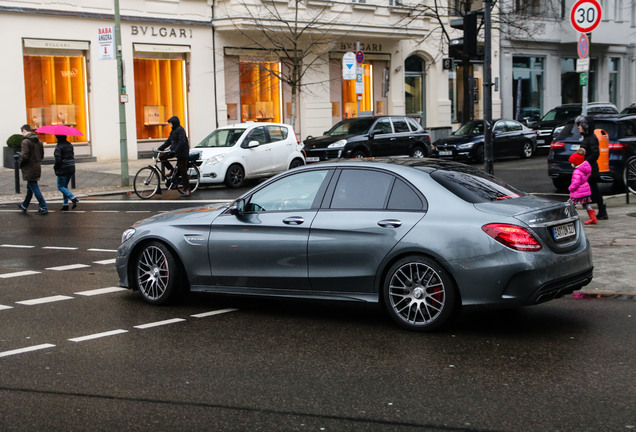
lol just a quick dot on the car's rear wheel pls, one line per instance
(526, 152)
(418, 152)
(158, 274)
(235, 176)
(296, 163)
(419, 294)
(629, 176)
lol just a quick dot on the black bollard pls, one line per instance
(16, 167)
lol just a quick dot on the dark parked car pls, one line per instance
(423, 237)
(370, 137)
(630, 109)
(621, 131)
(510, 138)
(561, 115)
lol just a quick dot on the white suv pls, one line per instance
(234, 153)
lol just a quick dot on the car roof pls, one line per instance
(252, 124)
(427, 164)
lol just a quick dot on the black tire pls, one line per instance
(478, 154)
(296, 163)
(629, 175)
(146, 182)
(235, 176)
(195, 179)
(158, 274)
(418, 152)
(419, 294)
(527, 151)
(359, 154)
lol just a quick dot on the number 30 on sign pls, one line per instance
(585, 15)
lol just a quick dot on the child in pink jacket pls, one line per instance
(580, 192)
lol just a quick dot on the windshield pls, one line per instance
(475, 186)
(356, 126)
(222, 138)
(562, 114)
(470, 129)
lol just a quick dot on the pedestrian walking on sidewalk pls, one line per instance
(591, 151)
(179, 146)
(64, 169)
(30, 162)
(580, 191)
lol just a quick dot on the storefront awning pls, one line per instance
(56, 44)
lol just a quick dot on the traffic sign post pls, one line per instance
(585, 16)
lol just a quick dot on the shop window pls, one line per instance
(55, 88)
(527, 88)
(159, 95)
(260, 91)
(414, 89)
(350, 98)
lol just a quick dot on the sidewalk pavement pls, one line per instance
(613, 241)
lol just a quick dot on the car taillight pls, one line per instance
(513, 236)
(556, 145)
(617, 146)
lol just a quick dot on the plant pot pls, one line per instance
(7, 156)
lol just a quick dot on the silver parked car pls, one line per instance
(423, 237)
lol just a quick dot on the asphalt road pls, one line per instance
(78, 354)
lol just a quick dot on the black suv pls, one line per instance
(621, 131)
(370, 137)
(562, 114)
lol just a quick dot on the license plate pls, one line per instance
(575, 147)
(563, 231)
(446, 153)
(313, 159)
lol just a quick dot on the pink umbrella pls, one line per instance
(59, 130)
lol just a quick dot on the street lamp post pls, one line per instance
(121, 91)
(488, 147)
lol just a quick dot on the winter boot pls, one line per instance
(602, 212)
(592, 216)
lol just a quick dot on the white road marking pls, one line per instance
(68, 267)
(17, 246)
(159, 323)
(98, 335)
(104, 262)
(2, 307)
(17, 274)
(27, 349)
(102, 250)
(138, 211)
(59, 248)
(44, 300)
(100, 291)
(211, 313)
(105, 211)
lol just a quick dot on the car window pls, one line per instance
(403, 197)
(610, 127)
(499, 127)
(356, 126)
(475, 186)
(629, 128)
(294, 192)
(399, 124)
(562, 114)
(602, 110)
(257, 134)
(277, 133)
(513, 126)
(222, 138)
(470, 129)
(415, 126)
(353, 190)
(384, 125)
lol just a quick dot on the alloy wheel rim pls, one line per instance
(152, 272)
(417, 293)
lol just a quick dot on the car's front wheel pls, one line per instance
(235, 176)
(526, 151)
(419, 294)
(158, 274)
(359, 154)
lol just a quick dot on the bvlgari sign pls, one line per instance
(162, 32)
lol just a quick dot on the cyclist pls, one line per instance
(179, 148)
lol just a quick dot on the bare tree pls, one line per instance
(295, 33)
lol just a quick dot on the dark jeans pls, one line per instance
(182, 167)
(62, 186)
(34, 189)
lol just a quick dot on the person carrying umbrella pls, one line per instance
(64, 169)
(31, 154)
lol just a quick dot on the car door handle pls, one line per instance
(394, 223)
(294, 220)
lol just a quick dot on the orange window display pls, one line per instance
(260, 91)
(55, 88)
(350, 98)
(159, 95)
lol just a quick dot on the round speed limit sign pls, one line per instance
(585, 15)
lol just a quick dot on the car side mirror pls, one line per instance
(238, 207)
(252, 144)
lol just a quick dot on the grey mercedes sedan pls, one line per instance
(423, 237)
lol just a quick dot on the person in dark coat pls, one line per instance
(31, 154)
(591, 151)
(64, 169)
(180, 148)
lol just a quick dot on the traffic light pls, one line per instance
(468, 43)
